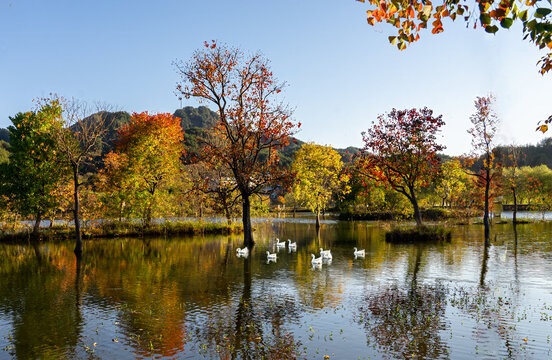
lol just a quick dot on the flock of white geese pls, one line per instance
(325, 255)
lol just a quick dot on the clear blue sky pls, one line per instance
(341, 72)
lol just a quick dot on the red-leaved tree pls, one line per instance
(400, 150)
(253, 125)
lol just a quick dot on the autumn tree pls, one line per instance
(409, 17)
(217, 183)
(485, 123)
(35, 168)
(253, 125)
(511, 175)
(146, 160)
(318, 176)
(78, 141)
(452, 182)
(400, 150)
(412, 16)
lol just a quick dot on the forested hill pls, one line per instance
(195, 121)
(531, 155)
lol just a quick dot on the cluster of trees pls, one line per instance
(65, 157)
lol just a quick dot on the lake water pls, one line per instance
(194, 298)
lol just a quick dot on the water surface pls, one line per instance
(193, 298)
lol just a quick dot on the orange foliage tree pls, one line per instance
(253, 124)
(147, 158)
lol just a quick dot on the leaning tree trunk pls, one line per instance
(486, 215)
(246, 220)
(36, 228)
(76, 213)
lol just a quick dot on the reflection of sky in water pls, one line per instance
(536, 215)
(184, 297)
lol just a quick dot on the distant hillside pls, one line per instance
(4, 135)
(531, 155)
(195, 122)
(201, 117)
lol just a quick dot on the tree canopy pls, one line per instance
(400, 149)
(35, 167)
(253, 124)
(318, 176)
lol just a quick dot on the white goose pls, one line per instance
(292, 246)
(270, 256)
(326, 254)
(244, 251)
(360, 253)
(315, 260)
(280, 244)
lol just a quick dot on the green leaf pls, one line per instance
(491, 29)
(543, 12)
(523, 15)
(506, 23)
(485, 19)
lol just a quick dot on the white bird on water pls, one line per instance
(270, 256)
(292, 246)
(244, 251)
(315, 260)
(326, 254)
(359, 253)
(280, 244)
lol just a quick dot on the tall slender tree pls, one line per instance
(485, 124)
(78, 141)
(253, 124)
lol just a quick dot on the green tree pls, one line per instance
(35, 167)
(452, 182)
(318, 176)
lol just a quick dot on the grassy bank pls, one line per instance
(418, 235)
(114, 229)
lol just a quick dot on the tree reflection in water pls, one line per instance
(255, 329)
(39, 290)
(407, 323)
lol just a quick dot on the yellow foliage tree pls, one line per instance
(318, 176)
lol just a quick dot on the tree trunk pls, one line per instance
(514, 216)
(317, 219)
(227, 213)
(36, 228)
(246, 220)
(417, 213)
(76, 213)
(486, 215)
